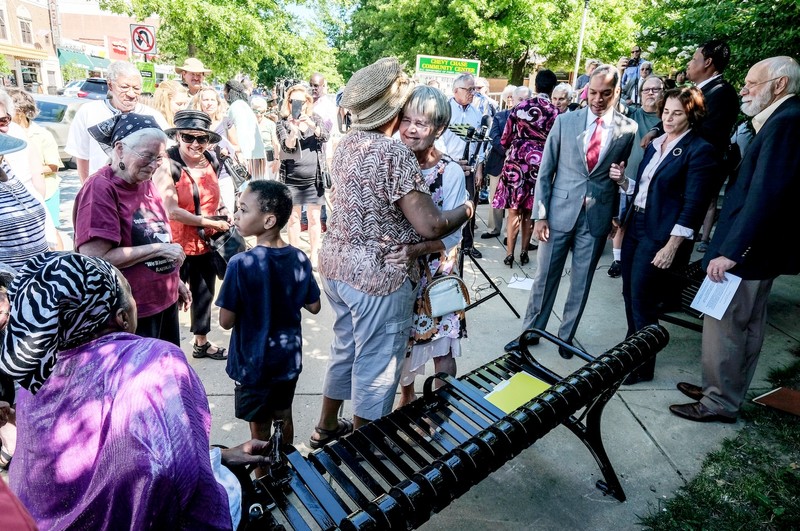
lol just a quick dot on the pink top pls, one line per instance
(370, 173)
(127, 215)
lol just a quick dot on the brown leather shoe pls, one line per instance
(695, 392)
(697, 412)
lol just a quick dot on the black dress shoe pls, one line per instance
(473, 252)
(523, 257)
(697, 412)
(564, 353)
(487, 235)
(532, 246)
(615, 269)
(695, 392)
(514, 345)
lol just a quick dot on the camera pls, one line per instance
(633, 62)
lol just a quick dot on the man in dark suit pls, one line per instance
(575, 200)
(496, 158)
(705, 69)
(750, 241)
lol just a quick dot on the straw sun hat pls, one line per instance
(376, 93)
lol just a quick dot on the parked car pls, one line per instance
(71, 88)
(55, 115)
(93, 88)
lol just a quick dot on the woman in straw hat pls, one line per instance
(382, 206)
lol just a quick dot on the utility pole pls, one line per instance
(580, 44)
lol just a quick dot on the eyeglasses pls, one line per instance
(149, 159)
(468, 89)
(748, 85)
(5, 120)
(202, 140)
(651, 90)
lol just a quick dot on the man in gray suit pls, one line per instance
(575, 200)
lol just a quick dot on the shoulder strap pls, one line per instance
(177, 166)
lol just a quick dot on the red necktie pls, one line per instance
(593, 153)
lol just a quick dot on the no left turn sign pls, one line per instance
(143, 39)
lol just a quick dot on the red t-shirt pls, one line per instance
(128, 215)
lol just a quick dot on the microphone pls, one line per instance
(481, 139)
(468, 139)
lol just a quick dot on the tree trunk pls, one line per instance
(191, 50)
(518, 69)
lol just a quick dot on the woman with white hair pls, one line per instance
(507, 96)
(383, 208)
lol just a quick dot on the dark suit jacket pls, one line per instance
(760, 217)
(680, 189)
(497, 156)
(722, 109)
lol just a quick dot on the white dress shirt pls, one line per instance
(647, 176)
(607, 124)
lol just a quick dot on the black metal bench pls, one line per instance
(687, 282)
(395, 472)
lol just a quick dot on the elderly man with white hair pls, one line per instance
(124, 89)
(562, 97)
(750, 241)
(632, 90)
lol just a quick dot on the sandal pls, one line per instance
(201, 351)
(343, 427)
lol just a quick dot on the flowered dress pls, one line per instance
(432, 337)
(523, 139)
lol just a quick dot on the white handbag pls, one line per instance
(445, 294)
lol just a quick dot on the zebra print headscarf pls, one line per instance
(58, 301)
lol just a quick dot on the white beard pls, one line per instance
(759, 103)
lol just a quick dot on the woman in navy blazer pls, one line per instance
(669, 199)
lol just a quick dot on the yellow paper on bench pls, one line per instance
(519, 390)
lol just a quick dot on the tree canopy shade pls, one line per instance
(754, 29)
(503, 34)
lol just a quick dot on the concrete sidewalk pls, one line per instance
(550, 485)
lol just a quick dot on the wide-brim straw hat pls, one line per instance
(376, 93)
(192, 65)
(10, 144)
(191, 120)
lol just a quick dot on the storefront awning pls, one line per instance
(23, 52)
(100, 63)
(80, 60)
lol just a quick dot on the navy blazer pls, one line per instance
(681, 188)
(760, 217)
(497, 155)
(722, 110)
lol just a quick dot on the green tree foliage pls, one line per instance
(71, 71)
(229, 36)
(5, 68)
(754, 29)
(503, 34)
(311, 55)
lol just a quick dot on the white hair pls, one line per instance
(783, 65)
(521, 93)
(565, 87)
(122, 69)
(461, 80)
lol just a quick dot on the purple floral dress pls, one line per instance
(523, 139)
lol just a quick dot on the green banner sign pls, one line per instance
(428, 64)
(148, 71)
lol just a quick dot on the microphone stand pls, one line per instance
(468, 135)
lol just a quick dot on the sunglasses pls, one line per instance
(202, 140)
(5, 120)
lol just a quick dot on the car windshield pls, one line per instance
(50, 111)
(94, 86)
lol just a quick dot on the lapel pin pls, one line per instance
(677, 152)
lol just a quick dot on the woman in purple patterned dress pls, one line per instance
(523, 139)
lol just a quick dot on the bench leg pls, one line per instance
(589, 434)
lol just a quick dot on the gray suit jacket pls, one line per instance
(564, 181)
